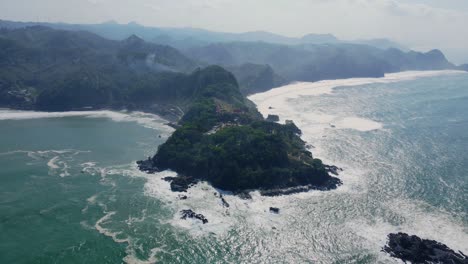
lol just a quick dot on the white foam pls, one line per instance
(92, 199)
(56, 165)
(275, 101)
(107, 232)
(418, 218)
(52, 163)
(357, 123)
(145, 119)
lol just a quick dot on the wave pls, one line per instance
(276, 100)
(398, 215)
(107, 232)
(145, 119)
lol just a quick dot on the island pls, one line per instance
(417, 250)
(224, 140)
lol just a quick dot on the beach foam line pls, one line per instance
(275, 101)
(298, 89)
(145, 119)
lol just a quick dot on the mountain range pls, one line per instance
(46, 68)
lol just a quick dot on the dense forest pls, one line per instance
(224, 140)
(54, 70)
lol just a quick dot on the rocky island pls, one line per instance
(224, 140)
(417, 250)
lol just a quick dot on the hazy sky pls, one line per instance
(420, 24)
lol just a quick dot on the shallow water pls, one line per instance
(70, 191)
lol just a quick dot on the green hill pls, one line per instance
(224, 140)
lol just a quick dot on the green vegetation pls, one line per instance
(222, 138)
(55, 70)
(226, 142)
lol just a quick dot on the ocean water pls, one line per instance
(70, 191)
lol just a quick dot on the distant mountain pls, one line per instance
(48, 69)
(382, 43)
(52, 69)
(463, 67)
(185, 38)
(311, 62)
(256, 78)
(319, 39)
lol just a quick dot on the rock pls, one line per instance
(181, 183)
(270, 107)
(244, 195)
(191, 214)
(310, 146)
(333, 169)
(274, 210)
(417, 250)
(225, 203)
(272, 118)
(147, 166)
(183, 197)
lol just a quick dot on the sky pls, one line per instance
(419, 24)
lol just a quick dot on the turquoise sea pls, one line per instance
(70, 191)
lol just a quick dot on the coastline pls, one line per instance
(255, 213)
(297, 89)
(315, 125)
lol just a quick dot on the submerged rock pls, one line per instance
(417, 250)
(225, 203)
(274, 210)
(333, 169)
(191, 214)
(183, 197)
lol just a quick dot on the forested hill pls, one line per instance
(259, 60)
(47, 69)
(224, 140)
(57, 70)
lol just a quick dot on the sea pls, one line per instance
(70, 190)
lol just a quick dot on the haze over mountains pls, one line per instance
(64, 66)
(184, 38)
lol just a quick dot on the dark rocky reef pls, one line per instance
(181, 183)
(331, 184)
(272, 118)
(274, 210)
(417, 250)
(147, 166)
(333, 169)
(191, 214)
